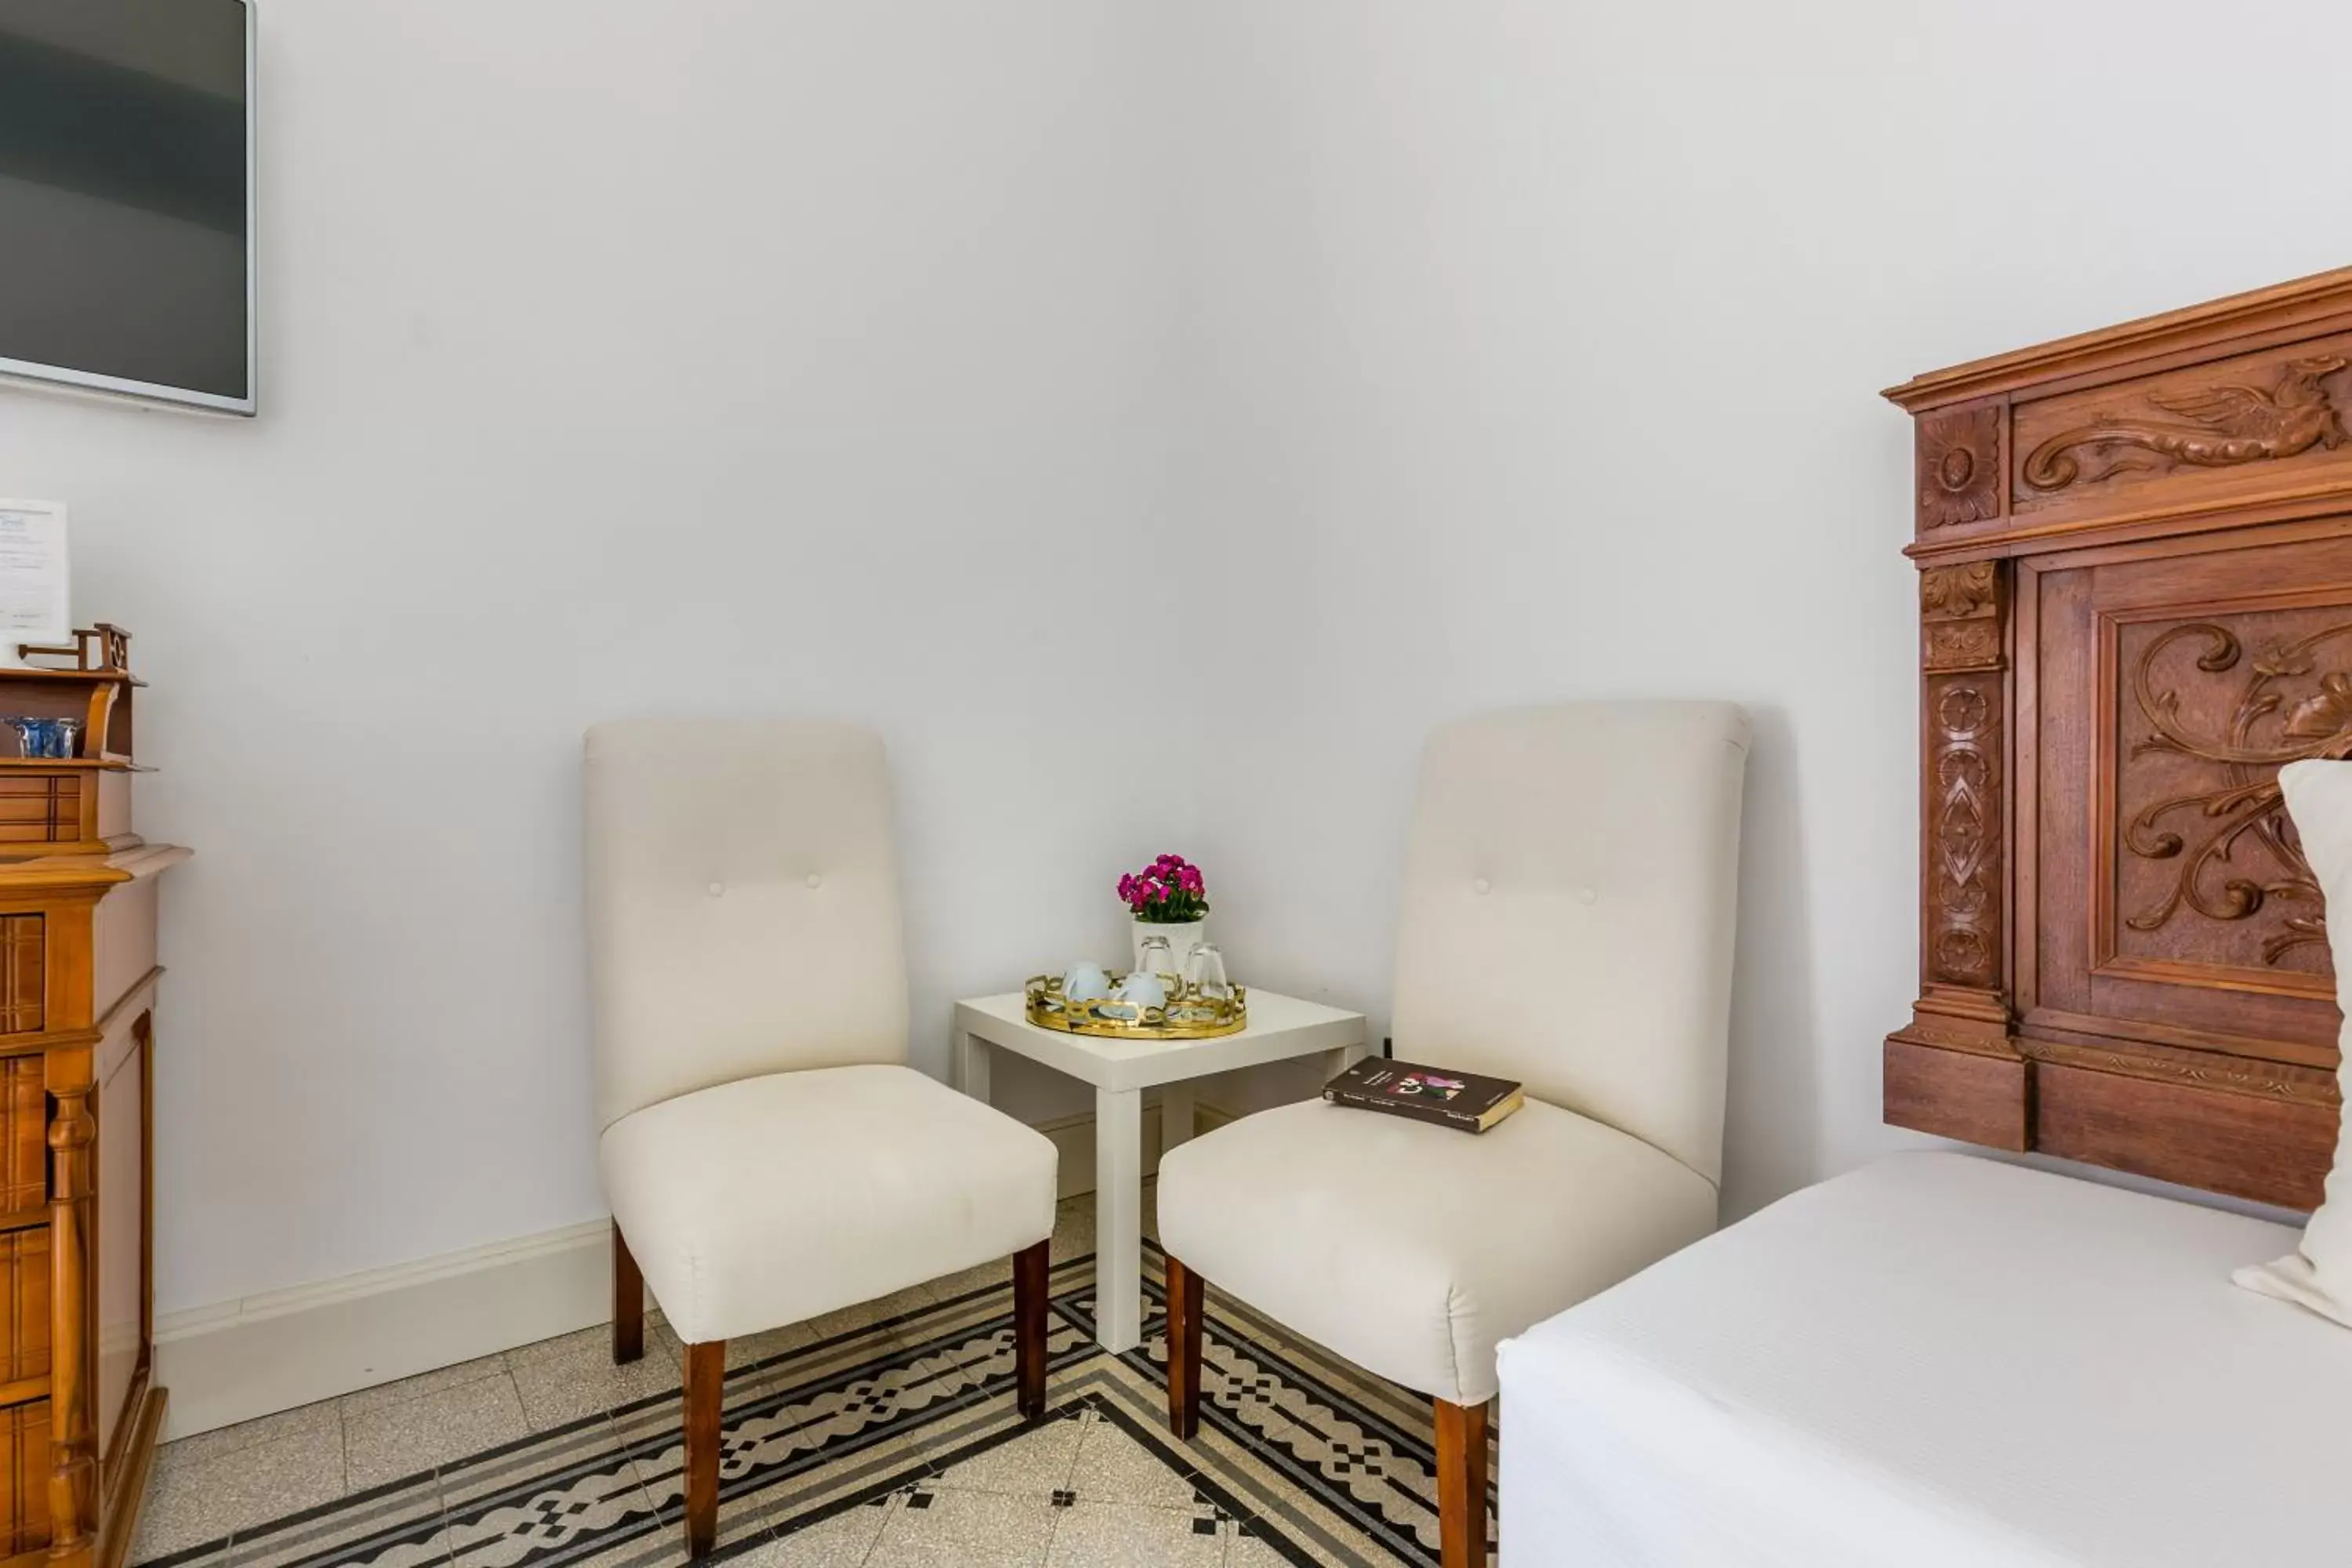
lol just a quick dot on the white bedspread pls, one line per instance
(1937, 1359)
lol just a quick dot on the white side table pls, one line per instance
(1280, 1027)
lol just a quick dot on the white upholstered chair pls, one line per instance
(768, 1154)
(1568, 895)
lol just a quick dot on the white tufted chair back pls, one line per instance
(1570, 892)
(742, 892)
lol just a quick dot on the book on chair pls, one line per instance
(1438, 1095)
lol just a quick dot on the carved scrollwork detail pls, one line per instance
(1958, 465)
(1965, 875)
(2287, 709)
(2220, 427)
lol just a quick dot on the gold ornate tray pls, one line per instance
(1187, 1016)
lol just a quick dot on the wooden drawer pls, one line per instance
(24, 1477)
(24, 1304)
(23, 1138)
(24, 975)
(40, 809)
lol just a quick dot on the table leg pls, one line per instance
(1118, 1218)
(969, 1059)
(1336, 1062)
(1175, 1114)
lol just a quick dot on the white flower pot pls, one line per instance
(1181, 939)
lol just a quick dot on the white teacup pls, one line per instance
(1086, 982)
(1144, 991)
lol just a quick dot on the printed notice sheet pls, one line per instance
(33, 599)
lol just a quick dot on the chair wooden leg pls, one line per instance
(706, 1380)
(1031, 1266)
(1461, 1485)
(1187, 1295)
(628, 1303)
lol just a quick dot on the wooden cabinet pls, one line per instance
(80, 1412)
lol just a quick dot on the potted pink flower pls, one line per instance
(1167, 897)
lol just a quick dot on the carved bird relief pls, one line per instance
(2225, 426)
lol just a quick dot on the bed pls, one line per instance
(1938, 1359)
(2135, 554)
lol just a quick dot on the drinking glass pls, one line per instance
(1156, 957)
(1205, 974)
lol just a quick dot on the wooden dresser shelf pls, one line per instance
(71, 764)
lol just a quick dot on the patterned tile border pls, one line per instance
(1314, 1459)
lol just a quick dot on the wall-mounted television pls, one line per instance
(126, 197)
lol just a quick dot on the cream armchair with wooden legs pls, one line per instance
(1569, 894)
(768, 1154)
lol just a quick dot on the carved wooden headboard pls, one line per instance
(2135, 604)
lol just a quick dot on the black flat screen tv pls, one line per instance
(126, 197)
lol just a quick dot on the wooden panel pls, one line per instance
(2208, 883)
(2205, 428)
(1958, 454)
(2170, 684)
(118, 1108)
(24, 1303)
(23, 1476)
(2243, 1144)
(23, 975)
(1957, 1094)
(1965, 771)
(112, 818)
(23, 1138)
(122, 941)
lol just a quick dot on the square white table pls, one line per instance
(1280, 1027)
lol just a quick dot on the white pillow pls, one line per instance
(2318, 1274)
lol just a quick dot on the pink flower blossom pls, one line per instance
(1169, 888)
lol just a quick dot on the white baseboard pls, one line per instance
(240, 1360)
(243, 1359)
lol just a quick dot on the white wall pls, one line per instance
(756, 356)
(1542, 342)
(750, 356)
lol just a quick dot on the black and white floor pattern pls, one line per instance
(894, 1441)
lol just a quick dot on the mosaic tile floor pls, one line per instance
(882, 1436)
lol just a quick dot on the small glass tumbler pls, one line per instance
(1205, 974)
(1156, 957)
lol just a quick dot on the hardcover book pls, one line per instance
(1440, 1095)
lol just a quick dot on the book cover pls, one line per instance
(1440, 1095)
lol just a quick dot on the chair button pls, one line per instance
(1586, 895)
(1482, 887)
(815, 880)
(717, 889)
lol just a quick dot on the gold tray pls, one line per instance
(1187, 1016)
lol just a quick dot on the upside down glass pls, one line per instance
(1205, 974)
(1156, 957)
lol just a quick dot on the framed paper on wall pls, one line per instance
(35, 602)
